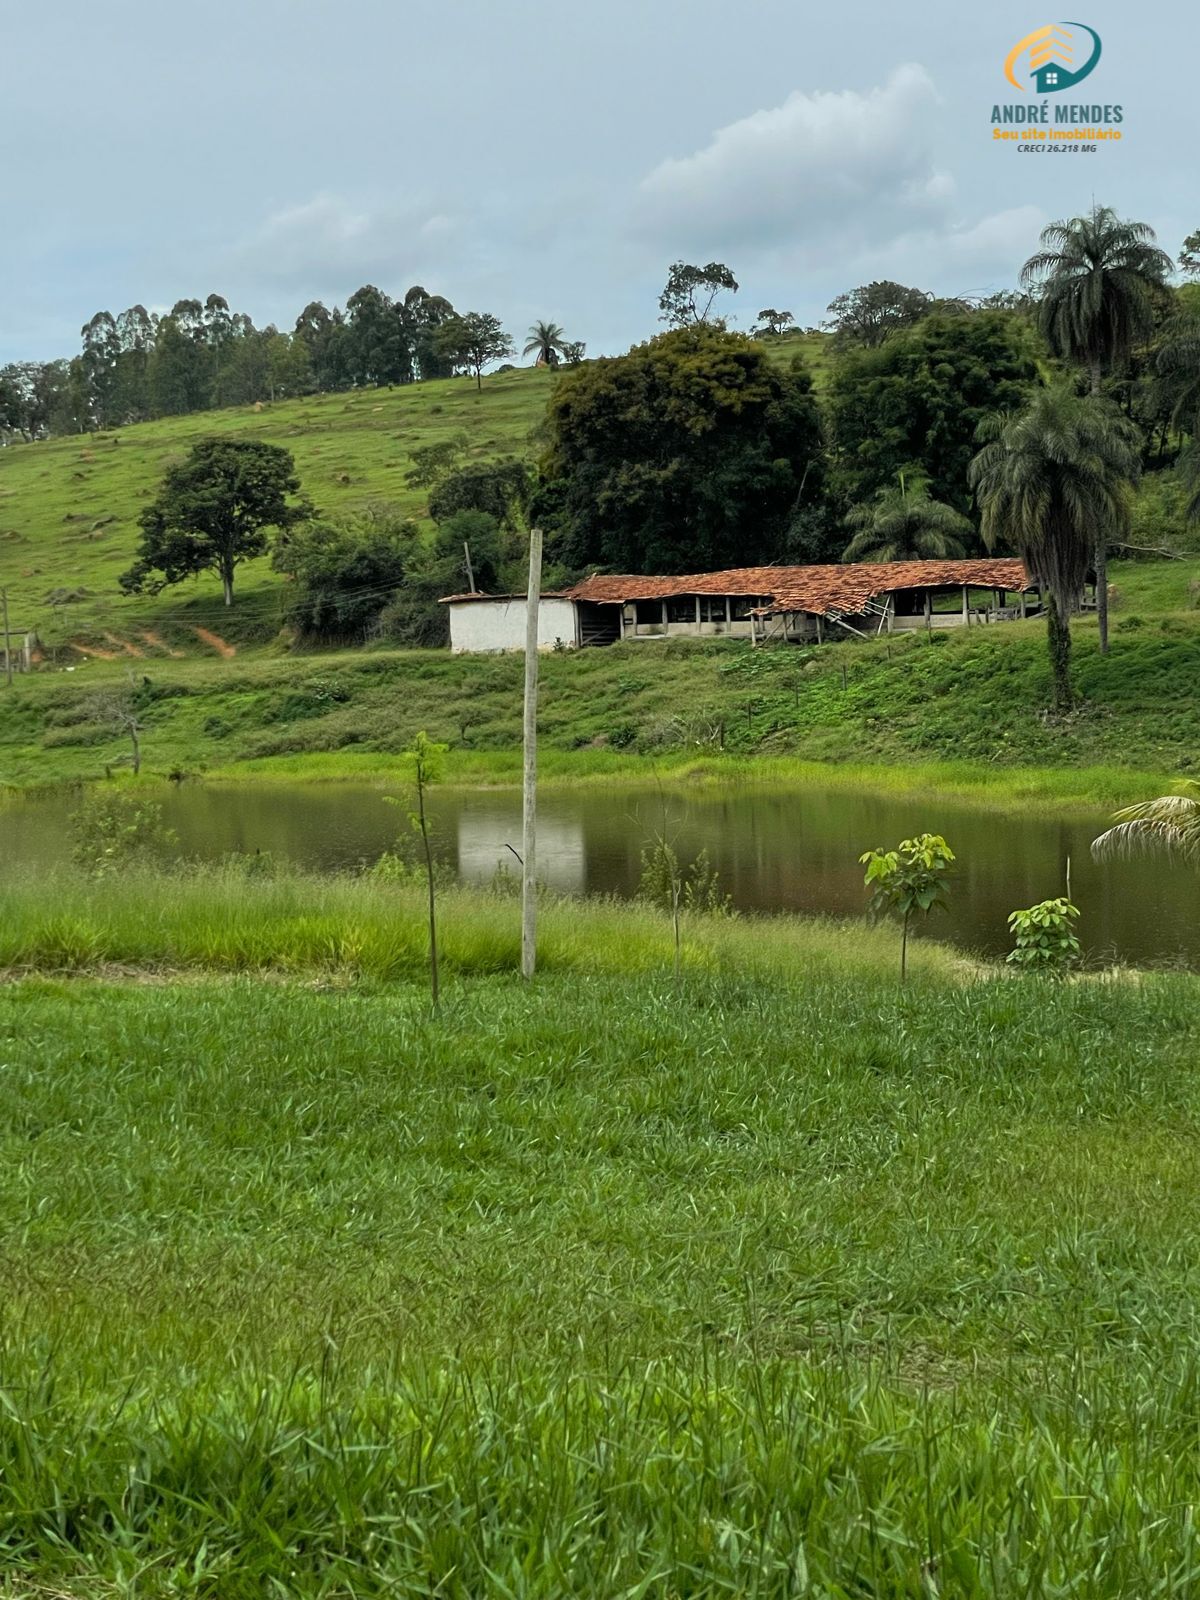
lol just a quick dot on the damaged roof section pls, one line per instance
(819, 591)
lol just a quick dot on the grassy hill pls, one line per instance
(69, 507)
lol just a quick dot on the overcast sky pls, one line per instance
(543, 159)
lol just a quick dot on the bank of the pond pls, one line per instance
(977, 697)
(238, 919)
(1043, 789)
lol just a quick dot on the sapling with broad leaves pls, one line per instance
(908, 881)
(1045, 937)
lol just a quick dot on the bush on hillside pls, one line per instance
(344, 573)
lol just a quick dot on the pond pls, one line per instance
(774, 851)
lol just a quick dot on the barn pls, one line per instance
(760, 604)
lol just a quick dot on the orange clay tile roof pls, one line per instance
(817, 590)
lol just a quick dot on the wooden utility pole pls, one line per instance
(529, 793)
(470, 573)
(7, 646)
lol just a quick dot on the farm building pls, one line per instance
(754, 603)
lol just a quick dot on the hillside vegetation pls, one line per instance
(978, 695)
(69, 506)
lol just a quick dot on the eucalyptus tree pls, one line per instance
(1049, 481)
(690, 293)
(904, 523)
(1101, 280)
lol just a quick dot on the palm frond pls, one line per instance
(1168, 825)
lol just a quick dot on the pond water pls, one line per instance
(774, 851)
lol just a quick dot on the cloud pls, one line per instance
(960, 258)
(330, 244)
(846, 164)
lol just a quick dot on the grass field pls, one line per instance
(69, 506)
(780, 1280)
(972, 697)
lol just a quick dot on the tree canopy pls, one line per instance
(690, 452)
(916, 401)
(344, 573)
(473, 341)
(868, 314)
(212, 513)
(690, 293)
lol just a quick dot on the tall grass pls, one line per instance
(763, 1284)
(224, 920)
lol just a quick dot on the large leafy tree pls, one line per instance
(547, 342)
(1047, 480)
(212, 513)
(904, 523)
(378, 339)
(1189, 256)
(425, 314)
(473, 341)
(871, 313)
(500, 489)
(1101, 280)
(325, 336)
(691, 452)
(772, 322)
(916, 401)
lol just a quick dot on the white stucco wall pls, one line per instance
(477, 625)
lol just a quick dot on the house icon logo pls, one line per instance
(1061, 55)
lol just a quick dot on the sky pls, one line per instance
(547, 160)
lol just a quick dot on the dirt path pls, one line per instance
(215, 641)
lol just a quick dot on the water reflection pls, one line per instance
(781, 851)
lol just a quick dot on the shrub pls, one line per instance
(344, 572)
(1045, 937)
(112, 831)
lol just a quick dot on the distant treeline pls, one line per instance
(202, 355)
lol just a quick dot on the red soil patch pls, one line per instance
(95, 651)
(156, 642)
(215, 641)
(124, 644)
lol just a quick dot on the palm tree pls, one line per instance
(905, 524)
(1101, 279)
(549, 341)
(1046, 480)
(1167, 826)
